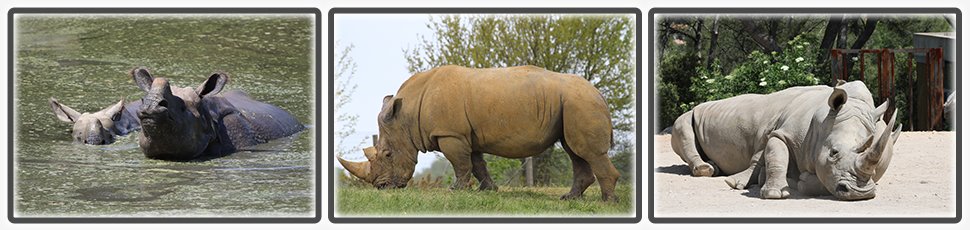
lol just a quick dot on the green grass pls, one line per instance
(508, 201)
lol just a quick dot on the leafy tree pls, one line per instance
(698, 53)
(343, 94)
(599, 48)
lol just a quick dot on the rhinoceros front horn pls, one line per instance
(868, 161)
(359, 169)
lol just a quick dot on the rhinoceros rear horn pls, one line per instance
(867, 162)
(358, 169)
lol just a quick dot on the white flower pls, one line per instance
(729, 77)
(762, 79)
(764, 62)
(710, 80)
(782, 82)
(799, 59)
(784, 68)
(799, 47)
(855, 58)
(805, 43)
(703, 77)
(710, 90)
(763, 83)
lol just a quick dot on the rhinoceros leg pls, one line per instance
(685, 145)
(744, 178)
(480, 171)
(459, 154)
(582, 175)
(776, 170)
(809, 185)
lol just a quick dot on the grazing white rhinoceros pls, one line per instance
(511, 112)
(825, 140)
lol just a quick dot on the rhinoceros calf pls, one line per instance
(510, 112)
(188, 123)
(99, 128)
(825, 140)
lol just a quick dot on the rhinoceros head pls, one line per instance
(175, 121)
(390, 163)
(90, 128)
(855, 146)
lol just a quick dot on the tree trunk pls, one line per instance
(712, 49)
(529, 176)
(764, 40)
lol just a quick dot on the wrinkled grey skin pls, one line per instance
(188, 123)
(99, 128)
(821, 140)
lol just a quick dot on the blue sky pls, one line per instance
(379, 41)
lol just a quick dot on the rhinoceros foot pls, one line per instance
(703, 170)
(488, 187)
(769, 192)
(571, 196)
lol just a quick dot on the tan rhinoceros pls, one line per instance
(826, 140)
(510, 112)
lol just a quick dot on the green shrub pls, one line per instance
(762, 73)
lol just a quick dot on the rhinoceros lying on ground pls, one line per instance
(99, 128)
(831, 140)
(185, 123)
(510, 112)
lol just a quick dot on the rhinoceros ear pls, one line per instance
(64, 113)
(390, 107)
(115, 110)
(880, 111)
(837, 99)
(142, 78)
(213, 85)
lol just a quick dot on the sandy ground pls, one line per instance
(920, 182)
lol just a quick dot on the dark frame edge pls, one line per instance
(466, 220)
(143, 220)
(881, 220)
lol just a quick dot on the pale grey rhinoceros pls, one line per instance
(512, 112)
(101, 127)
(825, 140)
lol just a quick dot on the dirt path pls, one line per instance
(920, 182)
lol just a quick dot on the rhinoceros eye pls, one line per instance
(834, 153)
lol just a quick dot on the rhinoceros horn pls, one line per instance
(868, 162)
(360, 169)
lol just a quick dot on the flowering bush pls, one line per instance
(762, 73)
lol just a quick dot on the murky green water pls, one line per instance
(83, 61)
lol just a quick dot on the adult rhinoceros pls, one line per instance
(831, 140)
(510, 112)
(184, 123)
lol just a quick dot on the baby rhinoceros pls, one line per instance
(99, 128)
(819, 140)
(184, 123)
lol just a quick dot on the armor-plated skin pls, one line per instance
(183, 123)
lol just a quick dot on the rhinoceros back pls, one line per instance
(262, 122)
(510, 112)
